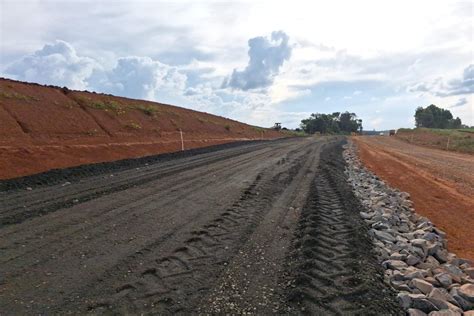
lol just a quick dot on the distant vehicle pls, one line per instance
(392, 132)
(381, 134)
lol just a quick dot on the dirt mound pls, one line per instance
(45, 127)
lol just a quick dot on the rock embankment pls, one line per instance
(429, 279)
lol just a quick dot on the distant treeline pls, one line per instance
(335, 123)
(435, 117)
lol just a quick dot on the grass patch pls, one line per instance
(149, 110)
(227, 127)
(17, 96)
(133, 125)
(461, 140)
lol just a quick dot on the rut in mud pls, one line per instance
(221, 231)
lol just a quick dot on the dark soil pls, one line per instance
(333, 269)
(216, 232)
(56, 176)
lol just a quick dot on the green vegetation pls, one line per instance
(105, 105)
(435, 117)
(117, 107)
(227, 127)
(149, 110)
(133, 125)
(461, 140)
(335, 123)
(17, 96)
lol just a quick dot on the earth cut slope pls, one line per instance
(46, 127)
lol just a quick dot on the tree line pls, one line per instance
(435, 117)
(335, 123)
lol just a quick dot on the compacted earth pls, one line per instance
(260, 228)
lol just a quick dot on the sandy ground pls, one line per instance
(441, 184)
(262, 228)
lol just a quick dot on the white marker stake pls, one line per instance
(447, 145)
(182, 141)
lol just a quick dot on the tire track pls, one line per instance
(13, 213)
(177, 280)
(336, 272)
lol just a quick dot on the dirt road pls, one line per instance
(441, 184)
(261, 227)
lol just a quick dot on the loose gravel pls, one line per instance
(413, 252)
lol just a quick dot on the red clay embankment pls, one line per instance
(44, 127)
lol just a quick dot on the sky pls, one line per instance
(259, 62)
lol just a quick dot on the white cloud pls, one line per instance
(266, 56)
(139, 77)
(55, 64)
(460, 102)
(191, 46)
(442, 88)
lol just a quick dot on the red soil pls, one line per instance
(440, 183)
(42, 128)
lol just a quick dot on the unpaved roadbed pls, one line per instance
(258, 228)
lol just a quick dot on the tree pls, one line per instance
(435, 117)
(334, 123)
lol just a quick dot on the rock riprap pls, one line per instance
(428, 278)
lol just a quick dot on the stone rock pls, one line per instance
(461, 301)
(415, 312)
(422, 285)
(400, 286)
(441, 294)
(432, 280)
(424, 305)
(406, 298)
(394, 264)
(397, 256)
(380, 226)
(467, 292)
(365, 215)
(430, 236)
(468, 313)
(439, 232)
(445, 312)
(452, 269)
(420, 243)
(414, 273)
(433, 248)
(381, 235)
(442, 255)
(412, 260)
(469, 272)
(444, 279)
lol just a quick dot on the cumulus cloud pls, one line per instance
(440, 88)
(139, 77)
(460, 102)
(266, 56)
(465, 85)
(55, 64)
